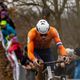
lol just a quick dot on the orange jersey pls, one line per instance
(35, 40)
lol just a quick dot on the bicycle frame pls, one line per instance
(50, 74)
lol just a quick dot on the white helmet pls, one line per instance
(42, 26)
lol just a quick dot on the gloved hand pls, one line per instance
(39, 65)
(38, 62)
(11, 36)
(64, 58)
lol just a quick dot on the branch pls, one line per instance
(56, 6)
(46, 6)
(28, 4)
(74, 11)
(44, 3)
(63, 6)
(37, 7)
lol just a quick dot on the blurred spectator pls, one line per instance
(4, 15)
(75, 54)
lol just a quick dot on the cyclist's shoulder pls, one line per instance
(53, 29)
(9, 29)
(32, 32)
(9, 26)
(32, 29)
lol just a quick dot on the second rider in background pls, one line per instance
(13, 52)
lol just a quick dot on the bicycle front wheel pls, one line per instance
(63, 78)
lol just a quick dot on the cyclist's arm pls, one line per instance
(58, 42)
(30, 46)
(11, 30)
(11, 22)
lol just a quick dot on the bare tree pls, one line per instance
(56, 12)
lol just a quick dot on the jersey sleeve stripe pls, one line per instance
(59, 43)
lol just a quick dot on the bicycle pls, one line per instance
(49, 74)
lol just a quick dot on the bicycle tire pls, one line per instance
(63, 78)
(45, 76)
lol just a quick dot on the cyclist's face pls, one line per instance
(43, 35)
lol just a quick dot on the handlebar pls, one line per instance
(51, 62)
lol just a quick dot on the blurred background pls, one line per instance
(62, 14)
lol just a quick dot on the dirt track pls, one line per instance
(5, 71)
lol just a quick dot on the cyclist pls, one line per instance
(4, 15)
(39, 40)
(6, 30)
(10, 34)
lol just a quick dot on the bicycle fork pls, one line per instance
(50, 76)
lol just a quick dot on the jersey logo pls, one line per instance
(59, 43)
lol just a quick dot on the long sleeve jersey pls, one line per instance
(7, 31)
(36, 41)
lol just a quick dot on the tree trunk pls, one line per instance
(58, 25)
(78, 17)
